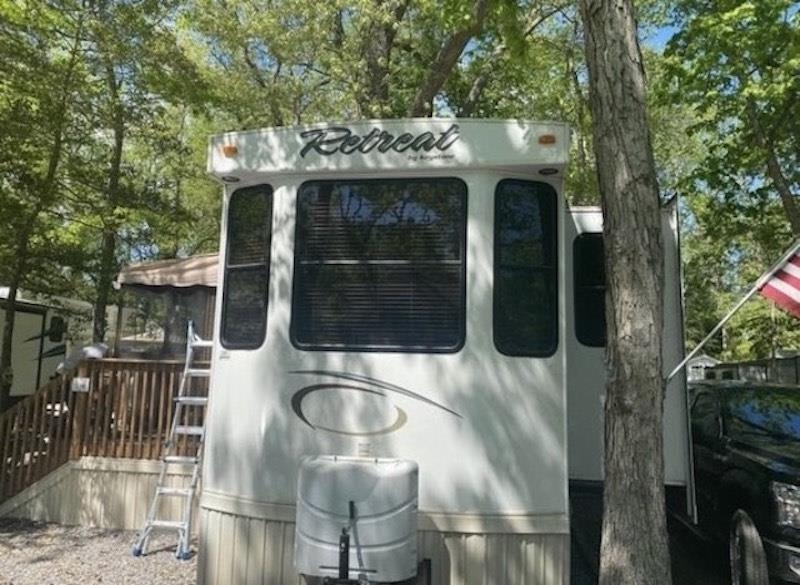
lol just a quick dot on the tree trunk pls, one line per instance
(10, 312)
(104, 284)
(446, 60)
(46, 195)
(377, 45)
(536, 18)
(774, 170)
(107, 255)
(634, 546)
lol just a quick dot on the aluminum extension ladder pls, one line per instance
(188, 397)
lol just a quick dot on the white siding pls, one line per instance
(95, 491)
(240, 549)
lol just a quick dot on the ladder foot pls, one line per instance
(184, 556)
(137, 551)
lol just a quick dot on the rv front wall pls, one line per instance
(488, 431)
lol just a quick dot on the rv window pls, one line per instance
(380, 265)
(590, 289)
(525, 269)
(58, 327)
(244, 304)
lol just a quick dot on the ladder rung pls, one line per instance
(192, 400)
(181, 459)
(198, 372)
(174, 491)
(188, 430)
(168, 524)
(202, 343)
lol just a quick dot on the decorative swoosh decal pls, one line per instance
(362, 383)
(377, 383)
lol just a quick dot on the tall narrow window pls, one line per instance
(525, 269)
(380, 265)
(590, 289)
(244, 303)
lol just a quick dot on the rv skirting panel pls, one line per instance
(247, 550)
(94, 491)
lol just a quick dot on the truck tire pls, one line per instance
(746, 552)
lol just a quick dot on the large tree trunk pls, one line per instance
(634, 546)
(105, 275)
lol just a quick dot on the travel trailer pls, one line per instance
(40, 339)
(416, 292)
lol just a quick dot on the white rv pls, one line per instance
(39, 342)
(418, 290)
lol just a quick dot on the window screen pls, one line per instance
(244, 304)
(590, 289)
(525, 275)
(380, 265)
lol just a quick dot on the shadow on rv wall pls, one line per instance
(508, 440)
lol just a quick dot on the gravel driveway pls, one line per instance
(50, 554)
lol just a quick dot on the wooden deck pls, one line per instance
(126, 414)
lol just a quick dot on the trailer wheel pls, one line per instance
(746, 552)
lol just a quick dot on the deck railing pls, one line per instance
(126, 413)
(35, 436)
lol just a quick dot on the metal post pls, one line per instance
(344, 554)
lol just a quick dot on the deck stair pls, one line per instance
(190, 396)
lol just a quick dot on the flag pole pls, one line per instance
(759, 283)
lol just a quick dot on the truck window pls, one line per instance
(705, 417)
(589, 278)
(767, 411)
(525, 269)
(380, 265)
(244, 302)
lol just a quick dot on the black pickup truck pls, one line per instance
(746, 440)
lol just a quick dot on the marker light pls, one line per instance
(547, 139)
(230, 150)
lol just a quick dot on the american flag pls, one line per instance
(783, 284)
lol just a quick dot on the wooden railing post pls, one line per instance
(79, 417)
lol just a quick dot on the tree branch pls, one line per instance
(774, 170)
(445, 61)
(483, 78)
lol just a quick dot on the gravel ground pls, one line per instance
(50, 554)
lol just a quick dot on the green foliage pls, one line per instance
(161, 76)
(731, 68)
(90, 143)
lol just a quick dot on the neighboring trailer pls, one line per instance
(39, 343)
(402, 289)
